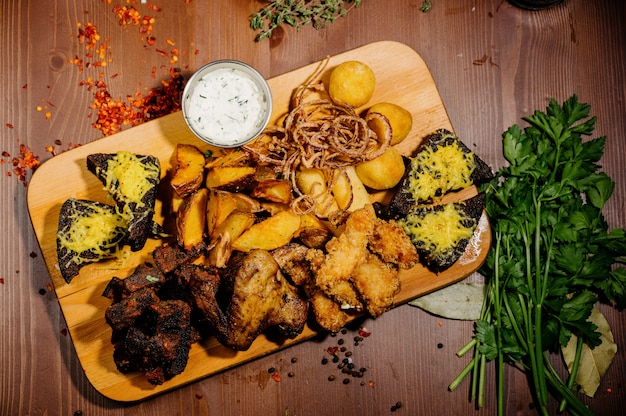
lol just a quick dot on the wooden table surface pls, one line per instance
(493, 64)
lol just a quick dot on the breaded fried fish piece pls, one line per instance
(298, 262)
(377, 282)
(344, 253)
(392, 244)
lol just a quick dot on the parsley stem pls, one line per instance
(466, 348)
(573, 371)
(458, 379)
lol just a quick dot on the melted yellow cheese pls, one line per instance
(435, 172)
(97, 230)
(438, 231)
(130, 179)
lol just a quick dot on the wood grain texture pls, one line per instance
(576, 47)
(409, 85)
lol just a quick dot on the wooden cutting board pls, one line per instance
(402, 78)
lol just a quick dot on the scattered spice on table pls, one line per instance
(22, 164)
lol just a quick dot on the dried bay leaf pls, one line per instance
(593, 362)
(461, 301)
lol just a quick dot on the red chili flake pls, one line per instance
(6, 154)
(9, 125)
(276, 376)
(199, 396)
(364, 332)
(332, 350)
(153, 7)
(64, 332)
(23, 163)
(1, 280)
(48, 287)
(24, 86)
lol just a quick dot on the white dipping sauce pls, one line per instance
(226, 106)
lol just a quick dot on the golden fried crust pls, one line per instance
(392, 244)
(344, 253)
(328, 314)
(377, 282)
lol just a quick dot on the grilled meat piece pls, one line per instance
(151, 329)
(203, 284)
(169, 257)
(158, 343)
(144, 276)
(257, 297)
(123, 313)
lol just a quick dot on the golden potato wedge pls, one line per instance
(275, 190)
(235, 157)
(349, 191)
(191, 219)
(269, 234)
(221, 204)
(227, 232)
(188, 170)
(310, 220)
(177, 202)
(231, 178)
(274, 208)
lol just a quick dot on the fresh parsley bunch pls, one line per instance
(298, 13)
(553, 255)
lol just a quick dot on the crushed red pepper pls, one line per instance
(26, 161)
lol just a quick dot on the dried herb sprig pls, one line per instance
(298, 13)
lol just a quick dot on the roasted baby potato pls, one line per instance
(188, 170)
(191, 219)
(383, 172)
(270, 233)
(352, 82)
(400, 119)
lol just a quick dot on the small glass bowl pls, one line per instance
(227, 103)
